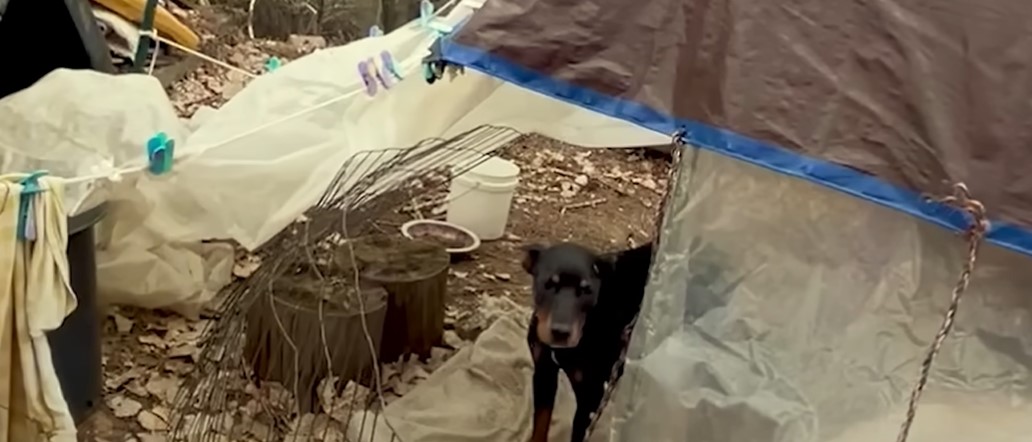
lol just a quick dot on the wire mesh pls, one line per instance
(324, 381)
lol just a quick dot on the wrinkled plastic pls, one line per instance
(252, 167)
(915, 92)
(782, 311)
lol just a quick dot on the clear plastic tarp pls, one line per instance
(783, 311)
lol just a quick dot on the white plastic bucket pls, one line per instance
(480, 199)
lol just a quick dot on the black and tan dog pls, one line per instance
(584, 306)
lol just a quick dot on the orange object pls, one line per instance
(165, 23)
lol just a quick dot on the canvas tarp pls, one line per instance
(912, 91)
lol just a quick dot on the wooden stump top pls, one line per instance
(305, 289)
(391, 259)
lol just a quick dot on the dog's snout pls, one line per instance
(561, 332)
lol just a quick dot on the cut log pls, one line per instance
(288, 317)
(415, 274)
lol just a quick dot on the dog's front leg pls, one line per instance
(546, 378)
(589, 391)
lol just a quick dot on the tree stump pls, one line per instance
(415, 274)
(289, 314)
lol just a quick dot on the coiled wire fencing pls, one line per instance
(295, 354)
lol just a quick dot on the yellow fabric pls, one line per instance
(36, 297)
(164, 22)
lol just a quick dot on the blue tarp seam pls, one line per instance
(740, 147)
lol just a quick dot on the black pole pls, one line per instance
(146, 28)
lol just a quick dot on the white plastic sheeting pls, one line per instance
(782, 311)
(253, 166)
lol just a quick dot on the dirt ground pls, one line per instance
(603, 198)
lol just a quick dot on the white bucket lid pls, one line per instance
(494, 171)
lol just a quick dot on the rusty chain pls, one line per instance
(678, 143)
(962, 200)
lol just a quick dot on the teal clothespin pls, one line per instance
(428, 21)
(428, 73)
(160, 151)
(27, 222)
(375, 31)
(272, 64)
(426, 13)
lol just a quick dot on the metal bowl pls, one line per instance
(454, 238)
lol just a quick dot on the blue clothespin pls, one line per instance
(375, 31)
(27, 222)
(160, 151)
(272, 64)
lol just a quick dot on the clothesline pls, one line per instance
(116, 174)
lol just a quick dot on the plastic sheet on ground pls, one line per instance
(782, 311)
(483, 393)
(253, 166)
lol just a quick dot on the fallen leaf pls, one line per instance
(135, 386)
(153, 340)
(246, 266)
(152, 437)
(453, 340)
(259, 430)
(162, 412)
(162, 387)
(122, 324)
(151, 421)
(224, 423)
(177, 325)
(123, 407)
(503, 276)
(184, 350)
(178, 367)
(250, 409)
(187, 337)
(115, 382)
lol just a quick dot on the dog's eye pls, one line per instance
(584, 285)
(552, 282)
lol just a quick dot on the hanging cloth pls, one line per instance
(35, 297)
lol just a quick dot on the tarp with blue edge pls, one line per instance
(802, 275)
(913, 92)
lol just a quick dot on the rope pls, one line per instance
(154, 54)
(115, 175)
(962, 200)
(197, 54)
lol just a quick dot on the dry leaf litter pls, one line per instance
(604, 198)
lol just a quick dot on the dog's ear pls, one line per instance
(531, 253)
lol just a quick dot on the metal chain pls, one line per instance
(962, 200)
(677, 142)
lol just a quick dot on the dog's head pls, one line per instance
(567, 279)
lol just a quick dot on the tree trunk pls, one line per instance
(274, 323)
(415, 274)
